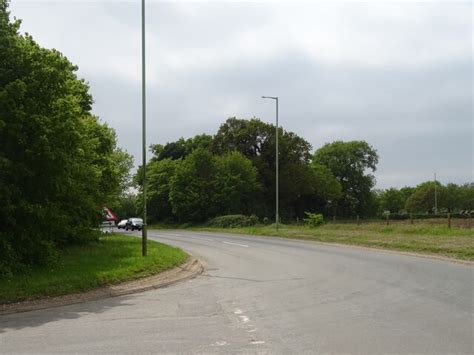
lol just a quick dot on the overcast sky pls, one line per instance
(398, 75)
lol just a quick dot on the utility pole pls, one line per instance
(276, 160)
(144, 229)
(436, 195)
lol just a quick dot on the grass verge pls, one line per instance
(422, 237)
(114, 259)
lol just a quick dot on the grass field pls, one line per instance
(422, 237)
(113, 259)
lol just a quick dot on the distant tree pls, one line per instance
(326, 190)
(256, 141)
(192, 189)
(126, 205)
(423, 198)
(181, 148)
(467, 197)
(159, 176)
(349, 163)
(236, 184)
(392, 200)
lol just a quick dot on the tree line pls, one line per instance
(233, 172)
(59, 164)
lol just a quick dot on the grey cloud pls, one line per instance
(396, 75)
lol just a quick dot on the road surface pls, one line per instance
(269, 296)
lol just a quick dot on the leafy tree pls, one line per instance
(349, 163)
(326, 190)
(423, 199)
(57, 162)
(467, 197)
(192, 189)
(236, 184)
(392, 200)
(181, 148)
(126, 205)
(256, 141)
(159, 176)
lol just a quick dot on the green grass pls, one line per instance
(422, 237)
(115, 258)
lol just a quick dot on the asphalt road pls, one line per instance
(266, 295)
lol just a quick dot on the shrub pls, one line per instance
(253, 220)
(313, 220)
(233, 220)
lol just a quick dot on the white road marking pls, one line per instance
(252, 330)
(255, 342)
(237, 311)
(240, 245)
(244, 319)
(219, 343)
(173, 235)
(209, 240)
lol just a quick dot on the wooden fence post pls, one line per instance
(387, 218)
(358, 220)
(411, 218)
(449, 220)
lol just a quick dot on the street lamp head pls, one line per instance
(270, 97)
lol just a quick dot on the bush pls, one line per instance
(233, 221)
(313, 220)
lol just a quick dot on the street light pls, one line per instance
(144, 228)
(276, 158)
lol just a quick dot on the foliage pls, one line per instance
(256, 141)
(349, 163)
(126, 206)
(236, 184)
(313, 219)
(392, 200)
(233, 221)
(159, 176)
(59, 164)
(181, 148)
(192, 189)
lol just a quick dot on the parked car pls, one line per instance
(134, 224)
(122, 223)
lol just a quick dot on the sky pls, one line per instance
(398, 75)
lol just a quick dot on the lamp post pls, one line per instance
(276, 159)
(144, 228)
(436, 194)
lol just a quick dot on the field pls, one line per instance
(426, 237)
(112, 260)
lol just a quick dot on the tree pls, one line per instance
(159, 176)
(192, 189)
(349, 163)
(181, 148)
(423, 199)
(327, 190)
(236, 184)
(392, 200)
(256, 141)
(58, 163)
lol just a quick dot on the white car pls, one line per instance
(122, 223)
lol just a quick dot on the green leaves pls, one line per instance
(58, 163)
(349, 163)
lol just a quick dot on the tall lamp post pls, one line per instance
(276, 159)
(144, 228)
